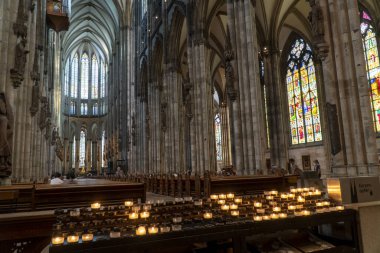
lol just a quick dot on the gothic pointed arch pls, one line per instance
(303, 103)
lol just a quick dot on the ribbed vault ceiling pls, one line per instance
(94, 21)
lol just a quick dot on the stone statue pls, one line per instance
(44, 113)
(59, 148)
(35, 99)
(316, 20)
(6, 134)
(54, 136)
(17, 73)
(163, 117)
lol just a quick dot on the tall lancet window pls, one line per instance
(262, 72)
(84, 77)
(95, 77)
(74, 76)
(371, 52)
(102, 79)
(305, 125)
(82, 149)
(218, 137)
(66, 79)
(73, 153)
(102, 152)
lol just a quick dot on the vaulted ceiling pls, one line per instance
(96, 22)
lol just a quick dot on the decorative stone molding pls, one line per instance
(44, 113)
(316, 18)
(21, 31)
(6, 137)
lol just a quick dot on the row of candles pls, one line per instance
(271, 205)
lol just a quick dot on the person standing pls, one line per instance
(317, 168)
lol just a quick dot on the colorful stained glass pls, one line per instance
(74, 76)
(84, 77)
(371, 54)
(301, 83)
(218, 137)
(82, 149)
(95, 78)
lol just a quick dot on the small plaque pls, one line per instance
(354, 189)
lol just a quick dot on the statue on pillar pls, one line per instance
(316, 19)
(17, 72)
(6, 134)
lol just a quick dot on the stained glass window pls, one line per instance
(66, 79)
(262, 72)
(83, 108)
(305, 126)
(72, 107)
(102, 153)
(84, 77)
(94, 79)
(73, 153)
(102, 79)
(74, 76)
(95, 109)
(371, 53)
(144, 7)
(82, 149)
(218, 137)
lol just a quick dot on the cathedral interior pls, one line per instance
(188, 88)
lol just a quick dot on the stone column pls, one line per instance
(225, 134)
(346, 87)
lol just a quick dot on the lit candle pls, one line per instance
(319, 204)
(144, 215)
(128, 203)
(317, 193)
(95, 205)
(207, 216)
(133, 216)
(257, 218)
(152, 230)
(300, 199)
(230, 195)
(274, 216)
(269, 197)
(282, 215)
(266, 217)
(305, 189)
(293, 190)
(238, 200)
(57, 240)
(273, 192)
(72, 238)
(222, 196)
(257, 204)
(305, 212)
(235, 213)
(87, 237)
(260, 210)
(284, 196)
(214, 197)
(221, 201)
(292, 207)
(141, 230)
(225, 207)
(339, 208)
(299, 189)
(277, 209)
(326, 203)
(233, 206)
(299, 206)
(291, 196)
